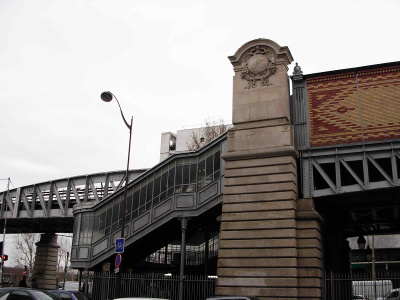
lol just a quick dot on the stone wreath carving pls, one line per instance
(259, 66)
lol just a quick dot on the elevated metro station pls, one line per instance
(267, 207)
(185, 188)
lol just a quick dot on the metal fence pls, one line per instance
(194, 255)
(195, 287)
(356, 286)
(336, 286)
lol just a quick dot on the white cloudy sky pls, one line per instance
(166, 61)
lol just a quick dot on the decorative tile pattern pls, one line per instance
(339, 113)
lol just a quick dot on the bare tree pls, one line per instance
(65, 247)
(65, 243)
(24, 249)
(204, 135)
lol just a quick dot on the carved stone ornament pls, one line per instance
(259, 66)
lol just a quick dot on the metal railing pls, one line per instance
(153, 285)
(339, 286)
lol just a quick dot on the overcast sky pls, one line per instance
(166, 61)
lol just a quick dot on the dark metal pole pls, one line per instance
(65, 270)
(126, 183)
(206, 251)
(119, 290)
(4, 211)
(80, 280)
(183, 248)
(166, 255)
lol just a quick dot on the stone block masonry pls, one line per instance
(270, 247)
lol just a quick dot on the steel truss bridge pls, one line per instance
(47, 207)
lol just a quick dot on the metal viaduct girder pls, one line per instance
(338, 170)
(355, 186)
(47, 207)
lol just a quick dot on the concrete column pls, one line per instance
(258, 239)
(45, 270)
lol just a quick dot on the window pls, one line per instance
(178, 179)
(201, 173)
(157, 183)
(135, 205)
(115, 215)
(170, 184)
(164, 185)
(86, 229)
(77, 222)
(102, 221)
(217, 164)
(149, 194)
(108, 220)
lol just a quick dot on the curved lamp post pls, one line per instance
(107, 97)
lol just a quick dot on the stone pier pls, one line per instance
(269, 241)
(45, 270)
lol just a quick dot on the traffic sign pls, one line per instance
(118, 260)
(119, 245)
(116, 270)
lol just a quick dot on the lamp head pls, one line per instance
(361, 242)
(106, 96)
(368, 254)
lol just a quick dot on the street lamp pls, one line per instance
(107, 97)
(369, 253)
(361, 242)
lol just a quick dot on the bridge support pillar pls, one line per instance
(45, 270)
(261, 250)
(309, 250)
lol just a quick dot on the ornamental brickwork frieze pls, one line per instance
(259, 65)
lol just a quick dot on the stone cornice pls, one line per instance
(306, 210)
(283, 53)
(262, 153)
(308, 215)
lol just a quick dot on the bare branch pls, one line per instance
(24, 249)
(211, 130)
